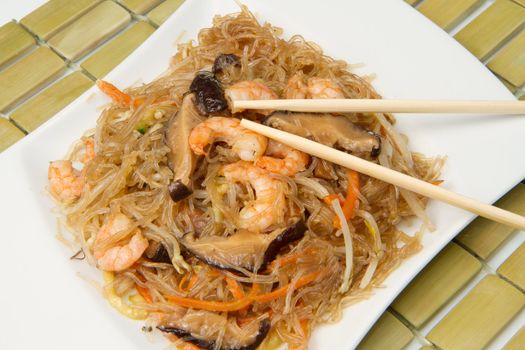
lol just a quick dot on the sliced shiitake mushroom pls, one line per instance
(182, 159)
(244, 249)
(224, 61)
(209, 93)
(157, 252)
(330, 130)
(202, 327)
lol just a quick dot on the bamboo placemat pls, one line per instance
(471, 296)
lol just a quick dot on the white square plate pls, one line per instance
(46, 305)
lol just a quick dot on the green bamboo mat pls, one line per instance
(471, 296)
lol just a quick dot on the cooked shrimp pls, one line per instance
(249, 90)
(297, 87)
(324, 88)
(269, 205)
(65, 183)
(245, 143)
(119, 257)
(282, 159)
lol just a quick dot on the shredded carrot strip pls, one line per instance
(117, 95)
(214, 273)
(228, 306)
(192, 281)
(183, 281)
(215, 305)
(437, 182)
(280, 292)
(350, 203)
(331, 197)
(219, 306)
(290, 258)
(235, 288)
(237, 292)
(144, 292)
(304, 327)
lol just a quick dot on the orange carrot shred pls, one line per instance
(437, 182)
(290, 258)
(117, 95)
(237, 292)
(304, 327)
(229, 306)
(280, 292)
(235, 288)
(218, 306)
(211, 305)
(183, 281)
(331, 197)
(185, 285)
(350, 203)
(144, 292)
(351, 197)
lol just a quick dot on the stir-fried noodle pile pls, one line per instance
(220, 237)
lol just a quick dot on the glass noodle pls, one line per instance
(320, 274)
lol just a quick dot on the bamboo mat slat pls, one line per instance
(47, 103)
(139, 7)
(517, 342)
(388, 333)
(496, 24)
(114, 52)
(55, 15)
(509, 62)
(448, 273)
(9, 134)
(521, 2)
(161, 13)
(90, 30)
(483, 236)
(28, 75)
(447, 13)
(482, 314)
(14, 41)
(513, 268)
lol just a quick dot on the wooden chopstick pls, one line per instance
(385, 106)
(388, 175)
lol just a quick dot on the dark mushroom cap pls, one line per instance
(225, 60)
(331, 130)
(191, 327)
(157, 252)
(178, 191)
(244, 249)
(209, 93)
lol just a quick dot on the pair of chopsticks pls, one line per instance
(377, 171)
